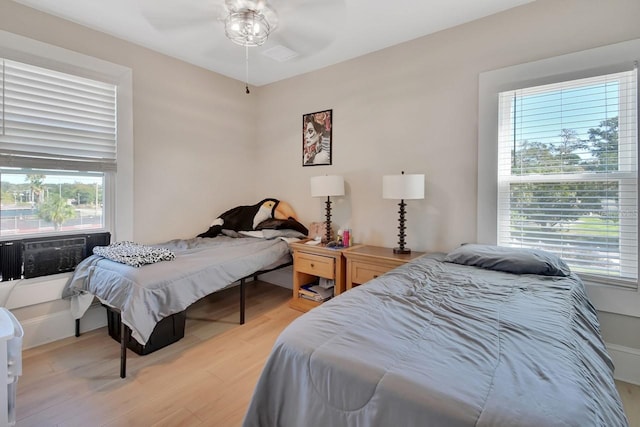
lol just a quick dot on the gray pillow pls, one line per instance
(231, 233)
(272, 234)
(510, 260)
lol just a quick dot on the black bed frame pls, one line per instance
(125, 331)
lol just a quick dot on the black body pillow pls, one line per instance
(242, 218)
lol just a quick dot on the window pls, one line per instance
(568, 173)
(599, 61)
(50, 201)
(57, 150)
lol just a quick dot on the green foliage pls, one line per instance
(594, 226)
(56, 210)
(544, 204)
(604, 143)
(565, 151)
(540, 208)
(533, 158)
(36, 186)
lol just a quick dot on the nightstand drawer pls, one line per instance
(362, 272)
(316, 265)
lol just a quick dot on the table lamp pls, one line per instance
(402, 187)
(327, 186)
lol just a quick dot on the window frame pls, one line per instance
(118, 192)
(626, 174)
(573, 66)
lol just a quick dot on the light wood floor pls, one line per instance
(205, 379)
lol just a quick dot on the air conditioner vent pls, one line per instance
(41, 256)
(11, 260)
(46, 257)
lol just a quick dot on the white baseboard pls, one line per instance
(52, 327)
(627, 363)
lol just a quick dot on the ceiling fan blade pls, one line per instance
(261, 6)
(304, 39)
(310, 10)
(246, 4)
(163, 15)
(308, 25)
(303, 45)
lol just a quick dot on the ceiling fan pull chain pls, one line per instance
(246, 85)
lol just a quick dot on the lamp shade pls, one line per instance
(403, 186)
(327, 185)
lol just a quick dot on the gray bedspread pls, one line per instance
(438, 344)
(152, 292)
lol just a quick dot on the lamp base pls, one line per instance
(327, 229)
(401, 250)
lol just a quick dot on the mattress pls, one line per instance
(440, 344)
(147, 294)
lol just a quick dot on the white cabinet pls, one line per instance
(11, 334)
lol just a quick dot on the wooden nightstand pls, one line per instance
(311, 262)
(368, 262)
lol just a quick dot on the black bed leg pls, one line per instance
(242, 299)
(124, 339)
(77, 327)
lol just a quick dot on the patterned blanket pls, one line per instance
(134, 254)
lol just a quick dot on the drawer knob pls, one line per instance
(312, 265)
(375, 276)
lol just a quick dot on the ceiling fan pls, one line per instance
(303, 26)
(290, 29)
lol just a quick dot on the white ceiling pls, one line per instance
(321, 32)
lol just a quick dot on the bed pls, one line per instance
(445, 341)
(144, 295)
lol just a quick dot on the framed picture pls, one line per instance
(316, 138)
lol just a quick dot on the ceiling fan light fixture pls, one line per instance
(247, 27)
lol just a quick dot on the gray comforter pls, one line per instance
(152, 292)
(439, 344)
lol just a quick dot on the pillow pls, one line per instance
(272, 234)
(510, 260)
(231, 233)
(251, 233)
(282, 224)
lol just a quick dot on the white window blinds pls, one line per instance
(568, 173)
(56, 120)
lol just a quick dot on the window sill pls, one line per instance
(26, 292)
(611, 299)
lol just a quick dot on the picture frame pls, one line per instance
(317, 140)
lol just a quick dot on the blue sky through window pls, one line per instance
(541, 117)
